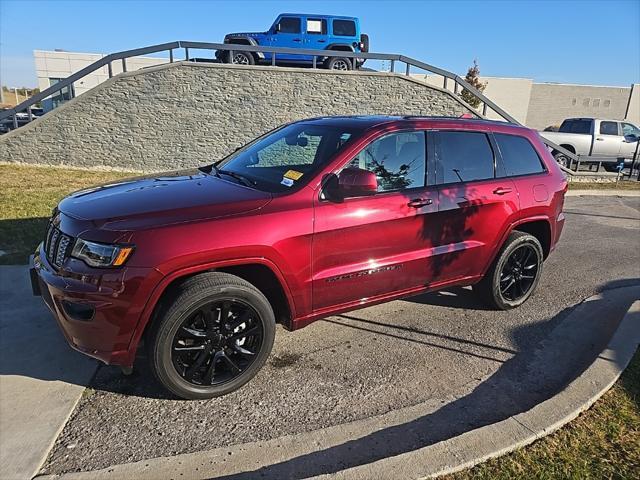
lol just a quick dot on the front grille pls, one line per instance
(57, 246)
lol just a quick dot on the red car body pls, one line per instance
(311, 257)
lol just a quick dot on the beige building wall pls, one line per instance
(551, 103)
(52, 65)
(633, 108)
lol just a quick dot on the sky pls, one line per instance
(587, 42)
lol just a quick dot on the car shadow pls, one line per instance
(455, 297)
(527, 378)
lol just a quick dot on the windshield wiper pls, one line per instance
(241, 178)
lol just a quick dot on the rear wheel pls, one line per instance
(214, 335)
(338, 63)
(515, 273)
(562, 159)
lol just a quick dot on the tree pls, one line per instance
(473, 78)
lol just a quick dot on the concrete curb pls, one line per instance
(255, 459)
(603, 193)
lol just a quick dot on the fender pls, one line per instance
(161, 287)
(513, 226)
(343, 46)
(250, 41)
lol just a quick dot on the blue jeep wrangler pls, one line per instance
(305, 31)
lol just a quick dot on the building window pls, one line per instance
(574, 101)
(607, 103)
(595, 103)
(62, 95)
(585, 102)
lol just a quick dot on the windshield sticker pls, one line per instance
(287, 182)
(293, 174)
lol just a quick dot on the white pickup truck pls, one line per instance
(608, 141)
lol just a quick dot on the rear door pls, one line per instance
(607, 140)
(316, 36)
(475, 206)
(372, 245)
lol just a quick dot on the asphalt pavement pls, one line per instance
(433, 348)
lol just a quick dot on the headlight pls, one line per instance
(100, 254)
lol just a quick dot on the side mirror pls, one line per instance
(631, 138)
(354, 182)
(276, 28)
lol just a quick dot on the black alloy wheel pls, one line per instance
(217, 342)
(519, 273)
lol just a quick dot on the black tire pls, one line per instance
(171, 325)
(338, 63)
(491, 288)
(240, 58)
(562, 159)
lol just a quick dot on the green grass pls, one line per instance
(27, 196)
(602, 443)
(622, 185)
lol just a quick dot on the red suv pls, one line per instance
(314, 218)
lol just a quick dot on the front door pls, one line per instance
(474, 205)
(372, 245)
(607, 140)
(286, 33)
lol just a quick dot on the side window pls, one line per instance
(398, 160)
(518, 155)
(575, 126)
(344, 28)
(463, 157)
(609, 128)
(289, 25)
(316, 26)
(630, 129)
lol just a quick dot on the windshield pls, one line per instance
(287, 157)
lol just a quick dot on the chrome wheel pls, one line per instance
(340, 64)
(519, 273)
(241, 59)
(217, 342)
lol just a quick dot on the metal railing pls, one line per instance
(394, 59)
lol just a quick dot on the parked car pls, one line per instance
(301, 31)
(315, 218)
(613, 141)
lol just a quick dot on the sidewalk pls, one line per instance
(41, 377)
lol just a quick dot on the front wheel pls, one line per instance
(240, 58)
(212, 336)
(514, 274)
(562, 159)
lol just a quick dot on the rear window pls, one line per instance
(518, 155)
(344, 28)
(316, 26)
(289, 25)
(576, 126)
(463, 157)
(609, 128)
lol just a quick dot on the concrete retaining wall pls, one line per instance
(188, 114)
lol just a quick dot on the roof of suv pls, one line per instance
(341, 17)
(369, 121)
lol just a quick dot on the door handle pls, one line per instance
(600, 139)
(322, 41)
(297, 40)
(420, 202)
(502, 191)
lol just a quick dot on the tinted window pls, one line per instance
(398, 160)
(344, 28)
(289, 25)
(463, 157)
(518, 155)
(287, 157)
(576, 126)
(316, 26)
(609, 128)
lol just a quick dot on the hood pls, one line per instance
(157, 200)
(244, 34)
